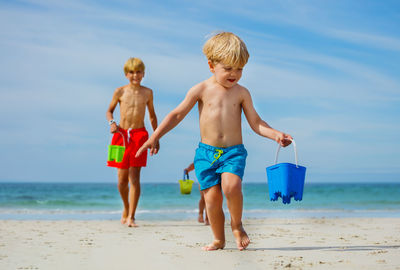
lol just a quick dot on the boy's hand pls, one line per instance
(158, 146)
(149, 144)
(113, 128)
(283, 139)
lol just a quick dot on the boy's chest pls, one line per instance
(133, 99)
(221, 100)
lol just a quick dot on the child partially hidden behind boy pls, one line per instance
(133, 99)
(202, 218)
(220, 158)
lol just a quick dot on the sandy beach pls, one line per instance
(323, 243)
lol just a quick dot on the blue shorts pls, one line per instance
(210, 162)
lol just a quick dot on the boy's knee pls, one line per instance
(233, 190)
(214, 204)
(213, 200)
(123, 183)
(135, 182)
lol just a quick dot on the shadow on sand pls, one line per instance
(327, 248)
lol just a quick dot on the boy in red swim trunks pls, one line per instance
(133, 99)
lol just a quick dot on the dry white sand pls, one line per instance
(347, 243)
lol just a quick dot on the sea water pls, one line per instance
(163, 201)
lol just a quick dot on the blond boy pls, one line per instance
(133, 99)
(220, 159)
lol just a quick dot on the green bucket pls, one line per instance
(116, 152)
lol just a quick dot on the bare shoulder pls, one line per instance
(198, 89)
(146, 90)
(243, 92)
(243, 89)
(119, 91)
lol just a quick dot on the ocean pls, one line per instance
(163, 201)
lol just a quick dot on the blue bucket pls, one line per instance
(286, 180)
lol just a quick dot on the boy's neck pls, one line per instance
(135, 86)
(214, 80)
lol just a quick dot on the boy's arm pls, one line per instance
(109, 114)
(152, 113)
(171, 121)
(260, 126)
(189, 168)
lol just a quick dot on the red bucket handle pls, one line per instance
(122, 135)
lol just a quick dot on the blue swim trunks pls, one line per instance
(210, 162)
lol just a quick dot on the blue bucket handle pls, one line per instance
(295, 153)
(185, 175)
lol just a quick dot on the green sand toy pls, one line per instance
(116, 152)
(186, 184)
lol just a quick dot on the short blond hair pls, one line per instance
(133, 64)
(226, 48)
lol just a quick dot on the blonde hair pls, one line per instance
(133, 64)
(226, 48)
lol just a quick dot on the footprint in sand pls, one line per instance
(86, 242)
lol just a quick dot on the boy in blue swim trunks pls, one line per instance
(220, 159)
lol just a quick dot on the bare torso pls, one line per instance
(133, 106)
(220, 111)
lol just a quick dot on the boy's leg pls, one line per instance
(232, 187)
(201, 207)
(200, 218)
(202, 200)
(134, 194)
(213, 199)
(123, 188)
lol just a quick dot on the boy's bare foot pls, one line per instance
(200, 219)
(123, 220)
(131, 223)
(124, 217)
(215, 245)
(242, 240)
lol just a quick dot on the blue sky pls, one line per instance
(327, 72)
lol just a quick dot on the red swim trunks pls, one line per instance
(134, 139)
